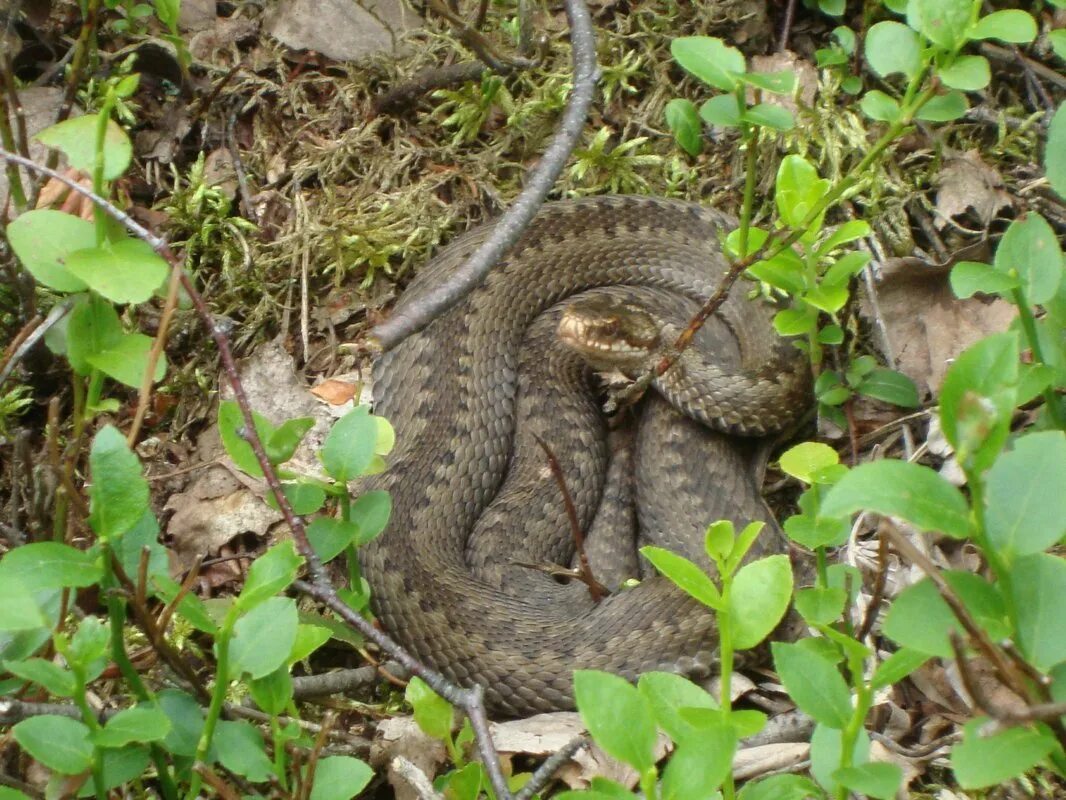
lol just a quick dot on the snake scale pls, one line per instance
(473, 501)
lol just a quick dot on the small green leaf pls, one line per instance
(308, 639)
(781, 787)
(617, 716)
(683, 120)
(874, 779)
(1039, 592)
(370, 512)
(273, 692)
(43, 565)
(803, 460)
(282, 443)
(812, 532)
(1057, 39)
(329, 537)
(688, 576)
(697, 767)
(60, 743)
(667, 694)
(77, 139)
(969, 277)
(890, 386)
(140, 724)
(126, 271)
(433, 713)
(19, 609)
(1026, 495)
(943, 22)
(709, 59)
(813, 683)
(897, 667)
(966, 73)
(269, 574)
(1054, 153)
(231, 428)
(719, 540)
(118, 495)
(761, 594)
(782, 82)
(848, 232)
(43, 239)
(186, 721)
(879, 106)
(943, 107)
(1031, 250)
(722, 111)
(993, 759)
(349, 447)
(1013, 25)
(127, 359)
(304, 497)
(820, 605)
(892, 47)
(51, 676)
(340, 777)
(770, 115)
(898, 488)
(93, 328)
(240, 749)
(796, 321)
(263, 637)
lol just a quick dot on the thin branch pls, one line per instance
(546, 771)
(57, 313)
(517, 218)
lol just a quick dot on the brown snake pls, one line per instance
(472, 498)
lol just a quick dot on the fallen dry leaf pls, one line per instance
(335, 392)
(341, 30)
(968, 187)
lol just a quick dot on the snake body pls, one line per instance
(473, 500)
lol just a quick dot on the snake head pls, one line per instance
(610, 333)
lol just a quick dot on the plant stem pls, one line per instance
(1025, 313)
(218, 698)
(725, 686)
(849, 737)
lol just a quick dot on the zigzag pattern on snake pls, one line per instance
(471, 492)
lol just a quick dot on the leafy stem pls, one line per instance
(1025, 314)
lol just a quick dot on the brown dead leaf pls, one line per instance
(335, 392)
(927, 325)
(806, 78)
(968, 187)
(342, 30)
(401, 736)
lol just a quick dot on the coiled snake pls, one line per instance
(473, 501)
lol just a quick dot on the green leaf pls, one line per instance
(977, 399)
(51, 676)
(119, 767)
(370, 512)
(1057, 39)
(969, 277)
(43, 239)
(140, 724)
(231, 428)
(813, 682)
(12, 794)
(848, 232)
(796, 321)
(879, 106)
(89, 647)
(897, 667)
(719, 540)
(689, 577)
(617, 716)
(127, 359)
(240, 749)
(93, 328)
(813, 532)
(433, 713)
(722, 111)
(898, 488)
(782, 82)
(782, 787)
(308, 639)
(667, 694)
(272, 692)
(1026, 495)
(683, 120)
(770, 115)
(263, 637)
(761, 593)
(1039, 592)
(1031, 250)
(966, 73)
(995, 758)
(340, 778)
(803, 460)
(118, 495)
(798, 191)
(282, 443)
(1054, 153)
(349, 447)
(820, 605)
(943, 107)
(943, 22)
(709, 59)
(60, 743)
(874, 779)
(41, 565)
(304, 496)
(167, 11)
(126, 271)
(890, 386)
(330, 536)
(186, 722)
(269, 574)
(601, 789)
(826, 750)
(77, 139)
(891, 48)
(1012, 25)
(19, 610)
(697, 768)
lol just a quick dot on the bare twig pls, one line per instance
(341, 680)
(510, 227)
(544, 773)
(57, 313)
(416, 779)
(597, 590)
(879, 590)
